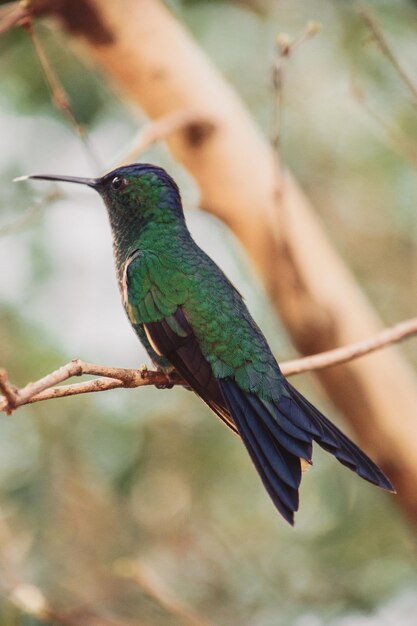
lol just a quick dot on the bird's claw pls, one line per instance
(165, 385)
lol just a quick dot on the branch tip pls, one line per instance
(9, 392)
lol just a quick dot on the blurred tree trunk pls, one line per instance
(144, 51)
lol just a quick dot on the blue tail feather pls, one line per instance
(279, 470)
(278, 434)
(341, 446)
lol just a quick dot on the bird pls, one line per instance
(193, 322)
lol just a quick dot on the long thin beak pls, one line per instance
(91, 182)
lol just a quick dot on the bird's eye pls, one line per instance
(118, 182)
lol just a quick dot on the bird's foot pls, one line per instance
(165, 385)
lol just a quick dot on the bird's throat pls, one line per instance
(158, 238)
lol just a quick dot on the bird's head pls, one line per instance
(134, 194)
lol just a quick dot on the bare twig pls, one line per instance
(386, 337)
(9, 392)
(161, 128)
(21, 14)
(386, 49)
(284, 47)
(59, 96)
(23, 220)
(32, 601)
(397, 139)
(116, 377)
(148, 581)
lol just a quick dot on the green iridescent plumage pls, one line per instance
(158, 283)
(191, 319)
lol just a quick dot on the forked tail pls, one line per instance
(278, 434)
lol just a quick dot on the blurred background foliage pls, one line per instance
(100, 495)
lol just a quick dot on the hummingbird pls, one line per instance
(194, 322)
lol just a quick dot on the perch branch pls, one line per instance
(115, 377)
(386, 337)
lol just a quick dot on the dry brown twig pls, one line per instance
(151, 584)
(116, 377)
(387, 50)
(20, 14)
(59, 96)
(33, 211)
(392, 135)
(285, 46)
(160, 129)
(31, 600)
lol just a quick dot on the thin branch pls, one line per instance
(386, 337)
(24, 220)
(397, 139)
(32, 601)
(386, 49)
(161, 128)
(151, 584)
(21, 14)
(8, 391)
(285, 46)
(59, 96)
(117, 377)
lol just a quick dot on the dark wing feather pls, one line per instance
(274, 452)
(182, 349)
